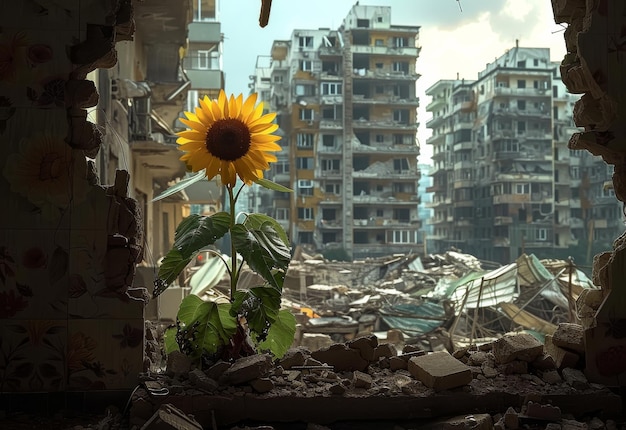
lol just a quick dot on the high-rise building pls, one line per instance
(347, 106)
(504, 180)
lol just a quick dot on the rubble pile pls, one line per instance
(504, 384)
(447, 299)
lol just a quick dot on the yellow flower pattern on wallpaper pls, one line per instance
(48, 172)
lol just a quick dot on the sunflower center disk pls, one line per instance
(228, 139)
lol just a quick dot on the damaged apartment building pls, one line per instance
(505, 182)
(347, 106)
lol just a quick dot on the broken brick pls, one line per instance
(440, 371)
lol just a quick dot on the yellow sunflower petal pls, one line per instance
(264, 128)
(246, 172)
(227, 172)
(267, 146)
(217, 110)
(265, 119)
(213, 167)
(203, 117)
(192, 146)
(192, 135)
(222, 102)
(256, 113)
(196, 125)
(248, 107)
(262, 138)
(258, 159)
(205, 104)
(234, 106)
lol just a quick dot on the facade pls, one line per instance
(348, 109)
(160, 73)
(504, 180)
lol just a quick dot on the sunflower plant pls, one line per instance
(230, 138)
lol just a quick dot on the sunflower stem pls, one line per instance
(234, 276)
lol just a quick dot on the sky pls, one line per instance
(457, 37)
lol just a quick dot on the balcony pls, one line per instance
(435, 121)
(389, 99)
(384, 74)
(326, 51)
(204, 79)
(507, 91)
(409, 51)
(511, 198)
(502, 220)
(161, 27)
(205, 32)
(331, 124)
(383, 124)
(385, 149)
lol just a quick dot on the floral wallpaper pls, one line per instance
(63, 324)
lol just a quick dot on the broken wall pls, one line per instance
(68, 246)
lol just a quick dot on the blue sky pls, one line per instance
(454, 39)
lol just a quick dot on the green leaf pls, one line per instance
(169, 339)
(206, 326)
(260, 306)
(181, 185)
(255, 221)
(273, 185)
(281, 334)
(192, 234)
(264, 250)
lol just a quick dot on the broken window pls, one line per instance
(304, 140)
(329, 214)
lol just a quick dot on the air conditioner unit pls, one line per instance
(305, 54)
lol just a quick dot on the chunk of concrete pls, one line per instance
(543, 412)
(562, 357)
(521, 346)
(385, 350)
(570, 336)
(440, 371)
(247, 369)
(366, 346)
(341, 358)
(199, 379)
(575, 378)
(294, 357)
(361, 380)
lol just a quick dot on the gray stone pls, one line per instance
(361, 380)
(521, 346)
(199, 379)
(262, 385)
(341, 358)
(575, 378)
(247, 369)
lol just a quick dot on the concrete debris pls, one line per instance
(570, 336)
(247, 369)
(522, 346)
(440, 371)
(341, 372)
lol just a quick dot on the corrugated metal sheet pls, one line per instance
(414, 319)
(491, 288)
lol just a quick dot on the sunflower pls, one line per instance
(229, 137)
